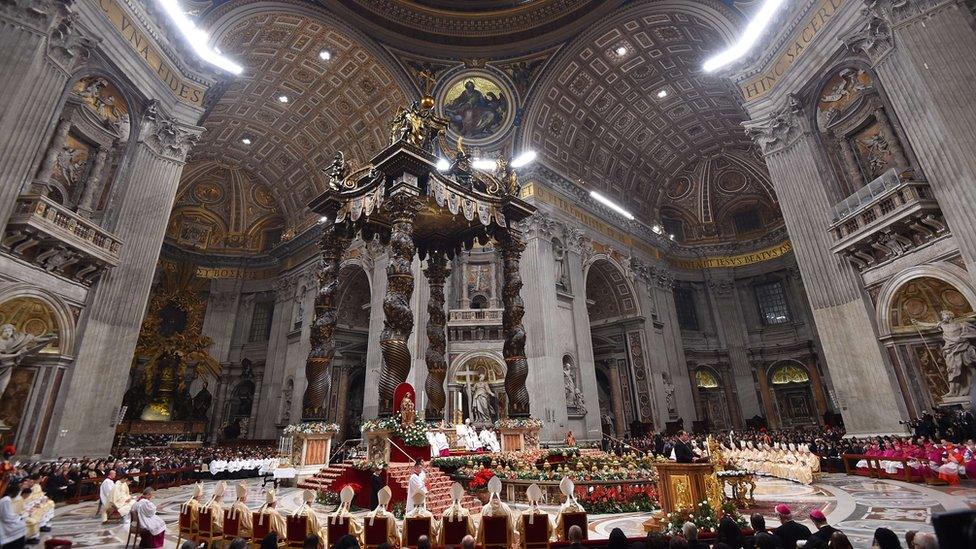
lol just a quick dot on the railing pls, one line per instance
(343, 450)
(867, 194)
(474, 316)
(41, 211)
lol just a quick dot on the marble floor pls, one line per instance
(856, 505)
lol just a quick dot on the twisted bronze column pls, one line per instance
(437, 272)
(335, 241)
(511, 245)
(396, 303)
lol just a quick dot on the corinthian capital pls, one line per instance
(898, 11)
(873, 38)
(165, 136)
(538, 225)
(69, 44)
(777, 131)
(39, 15)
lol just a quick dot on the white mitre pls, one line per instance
(568, 488)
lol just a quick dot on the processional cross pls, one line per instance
(467, 384)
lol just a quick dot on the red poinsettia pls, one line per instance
(480, 479)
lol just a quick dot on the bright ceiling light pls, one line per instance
(610, 204)
(662, 94)
(483, 164)
(197, 38)
(283, 98)
(656, 228)
(323, 219)
(246, 140)
(523, 159)
(748, 39)
(443, 165)
(621, 50)
(325, 55)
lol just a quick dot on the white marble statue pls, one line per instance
(14, 347)
(574, 397)
(958, 350)
(481, 398)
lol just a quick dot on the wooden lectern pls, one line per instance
(682, 485)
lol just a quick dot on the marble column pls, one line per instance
(40, 44)
(769, 406)
(817, 387)
(593, 421)
(922, 51)
(842, 312)
(318, 368)
(436, 273)
(617, 399)
(118, 301)
(398, 313)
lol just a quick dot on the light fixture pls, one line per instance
(283, 98)
(246, 140)
(621, 51)
(324, 219)
(483, 164)
(672, 236)
(662, 94)
(748, 38)
(610, 204)
(524, 159)
(656, 228)
(443, 165)
(197, 38)
(325, 55)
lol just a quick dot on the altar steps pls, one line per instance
(439, 495)
(323, 480)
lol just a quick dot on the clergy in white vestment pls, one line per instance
(496, 508)
(105, 494)
(472, 442)
(571, 505)
(442, 444)
(383, 497)
(121, 500)
(153, 528)
(13, 527)
(416, 483)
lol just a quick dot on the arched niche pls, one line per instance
(609, 294)
(712, 400)
(34, 383)
(354, 296)
(921, 293)
(791, 385)
(465, 370)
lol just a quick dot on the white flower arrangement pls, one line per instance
(311, 428)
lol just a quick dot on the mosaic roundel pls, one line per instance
(732, 182)
(680, 188)
(478, 105)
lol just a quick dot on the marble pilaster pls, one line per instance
(727, 309)
(118, 302)
(843, 315)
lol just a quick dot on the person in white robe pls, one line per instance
(571, 505)
(473, 444)
(105, 495)
(416, 483)
(442, 444)
(534, 496)
(383, 497)
(149, 523)
(456, 513)
(496, 508)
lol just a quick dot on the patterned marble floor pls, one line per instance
(856, 505)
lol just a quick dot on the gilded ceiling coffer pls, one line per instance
(402, 199)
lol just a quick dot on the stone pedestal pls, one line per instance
(516, 439)
(311, 450)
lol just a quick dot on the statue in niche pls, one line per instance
(408, 411)
(201, 402)
(16, 345)
(574, 397)
(958, 350)
(300, 315)
(481, 399)
(609, 425)
(669, 395)
(562, 265)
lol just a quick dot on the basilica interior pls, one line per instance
(607, 220)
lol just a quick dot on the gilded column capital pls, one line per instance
(778, 131)
(165, 136)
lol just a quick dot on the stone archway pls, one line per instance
(792, 390)
(920, 294)
(468, 368)
(616, 330)
(30, 395)
(713, 403)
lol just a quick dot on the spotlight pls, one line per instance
(443, 165)
(283, 98)
(610, 204)
(656, 228)
(748, 39)
(621, 51)
(483, 164)
(197, 38)
(325, 55)
(662, 94)
(246, 140)
(323, 219)
(523, 159)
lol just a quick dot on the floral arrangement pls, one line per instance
(367, 465)
(456, 462)
(415, 434)
(704, 516)
(311, 428)
(518, 423)
(625, 498)
(733, 473)
(588, 467)
(399, 509)
(328, 499)
(480, 479)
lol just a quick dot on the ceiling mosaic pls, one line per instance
(626, 108)
(291, 110)
(224, 210)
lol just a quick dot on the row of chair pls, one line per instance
(496, 535)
